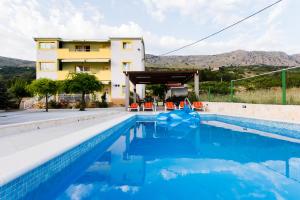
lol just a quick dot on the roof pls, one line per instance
(124, 38)
(46, 38)
(144, 77)
(86, 40)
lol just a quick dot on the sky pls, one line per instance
(164, 24)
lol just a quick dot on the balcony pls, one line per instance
(81, 54)
(101, 71)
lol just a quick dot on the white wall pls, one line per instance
(50, 75)
(46, 55)
(135, 56)
(288, 113)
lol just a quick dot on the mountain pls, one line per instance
(234, 58)
(14, 62)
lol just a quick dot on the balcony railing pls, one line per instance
(84, 50)
(83, 53)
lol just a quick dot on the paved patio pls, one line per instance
(37, 115)
(12, 141)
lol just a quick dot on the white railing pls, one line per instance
(84, 50)
(187, 99)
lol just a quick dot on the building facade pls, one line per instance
(57, 58)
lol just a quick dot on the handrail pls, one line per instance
(283, 82)
(187, 99)
(84, 50)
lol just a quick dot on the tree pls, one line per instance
(19, 90)
(82, 83)
(44, 88)
(158, 90)
(3, 95)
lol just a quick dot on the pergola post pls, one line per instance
(134, 93)
(196, 84)
(127, 91)
(283, 85)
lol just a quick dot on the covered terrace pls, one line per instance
(163, 77)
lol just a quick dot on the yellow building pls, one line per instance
(57, 58)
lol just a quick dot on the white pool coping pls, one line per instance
(251, 117)
(17, 164)
(250, 131)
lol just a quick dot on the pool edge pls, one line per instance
(18, 164)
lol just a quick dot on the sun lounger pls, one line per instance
(148, 106)
(181, 105)
(134, 106)
(170, 106)
(198, 105)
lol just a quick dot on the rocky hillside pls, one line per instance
(13, 62)
(235, 58)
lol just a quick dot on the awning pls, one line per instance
(73, 60)
(174, 77)
(100, 60)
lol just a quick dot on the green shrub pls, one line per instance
(101, 104)
(192, 97)
(3, 95)
(54, 104)
(215, 87)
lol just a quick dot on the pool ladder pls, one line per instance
(187, 99)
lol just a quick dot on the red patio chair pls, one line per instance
(134, 106)
(170, 106)
(198, 105)
(182, 104)
(148, 106)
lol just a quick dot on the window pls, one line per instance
(85, 48)
(82, 69)
(78, 48)
(126, 66)
(123, 90)
(47, 45)
(47, 66)
(126, 45)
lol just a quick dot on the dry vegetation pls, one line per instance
(261, 96)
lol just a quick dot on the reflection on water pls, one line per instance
(159, 161)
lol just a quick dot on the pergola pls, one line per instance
(164, 77)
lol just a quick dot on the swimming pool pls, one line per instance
(223, 158)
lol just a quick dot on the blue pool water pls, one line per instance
(150, 159)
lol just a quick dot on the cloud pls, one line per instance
(167, 174)
(20, 21)
(80, 191)
(262, 32)
(207, 11)
(127, 188)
